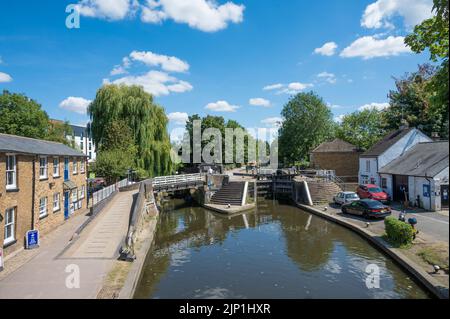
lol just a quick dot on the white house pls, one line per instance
(392, 146)
(83, 139)
(422, 174)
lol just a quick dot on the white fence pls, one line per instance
(176, 179)
(104, 193)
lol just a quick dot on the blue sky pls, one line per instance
(205, 57)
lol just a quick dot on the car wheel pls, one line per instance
(344, 210)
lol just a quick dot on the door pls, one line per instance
(400, 188)
(66, 204)
(444, 196)
(66, 169)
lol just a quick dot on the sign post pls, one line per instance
(32, 239)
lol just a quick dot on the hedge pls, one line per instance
(398, 232)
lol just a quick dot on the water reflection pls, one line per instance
(276, 251)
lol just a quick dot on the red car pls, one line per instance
(372, 191)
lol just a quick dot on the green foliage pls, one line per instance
(398, 233)
(147, 121)
(218, 122)
(112, 164)
(20, 115)
(433, 35)
(362, 129)
(307, 123)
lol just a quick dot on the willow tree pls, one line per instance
(147, 121)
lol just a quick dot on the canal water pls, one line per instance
(275, 251)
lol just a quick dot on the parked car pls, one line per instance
(342, 198)
(368, 208)
(371, 191)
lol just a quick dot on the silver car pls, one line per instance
(345, 198)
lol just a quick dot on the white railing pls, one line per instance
(176, 179)
(106, 192)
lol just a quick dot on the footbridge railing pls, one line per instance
(177, 182)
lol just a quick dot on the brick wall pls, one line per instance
(19, 199)
(344, 163)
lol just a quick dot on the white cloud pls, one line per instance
(377, 106)
(107, 9)
(75, 104)
(221, 106)
(156, 83)
(272, 121)
(295, 87)
(204, 15)
(5, 78)
(380, 13)
(339, 118)
(167, 63)
(369, 47)
(178, 117)
(121, 68)
(273, 87)
(328, 49)
(259, 102)
(334, 106)
(329, 77)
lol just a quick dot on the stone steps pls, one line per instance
(231, 193)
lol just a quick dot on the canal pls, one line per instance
(276, 251)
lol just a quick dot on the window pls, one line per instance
(56, 202)
(75, 166)
(11, 172)
(82, 166)
(82, 145)
(43, 167)
(90, 155)
(368, 166)
(384, 183)
(82, 191)
(43, 207)
(55, 166)
(9, 225)
(90, 146)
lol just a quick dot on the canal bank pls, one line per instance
(437, 289)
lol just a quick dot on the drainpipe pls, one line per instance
(429, 183)
(33, 192)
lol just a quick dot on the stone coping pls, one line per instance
(223, 209)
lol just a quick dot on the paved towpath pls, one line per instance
(61, 270)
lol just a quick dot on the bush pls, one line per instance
(398, 232)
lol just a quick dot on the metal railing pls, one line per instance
(165, 181)
(106, 192)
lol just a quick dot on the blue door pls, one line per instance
(66, 169)
(66, 205)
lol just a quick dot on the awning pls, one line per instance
(69, 185)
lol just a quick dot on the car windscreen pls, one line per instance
(375, 190)
(351, 196)
(374, 204)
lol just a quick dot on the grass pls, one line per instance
(435, 255)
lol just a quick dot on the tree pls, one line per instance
(413, 101)
(307, 123)
(58, 132)
(117, 152)
(20, 115)
(147, 121)
(362, 129)
(433, 34)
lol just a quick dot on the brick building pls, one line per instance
(338, 156)
(42, 184)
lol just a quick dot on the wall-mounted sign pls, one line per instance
(426, 190)
(1, 259)
(32, 239)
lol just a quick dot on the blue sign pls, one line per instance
(426, 190)
(32, 239)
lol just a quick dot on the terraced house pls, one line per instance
(42, 184)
